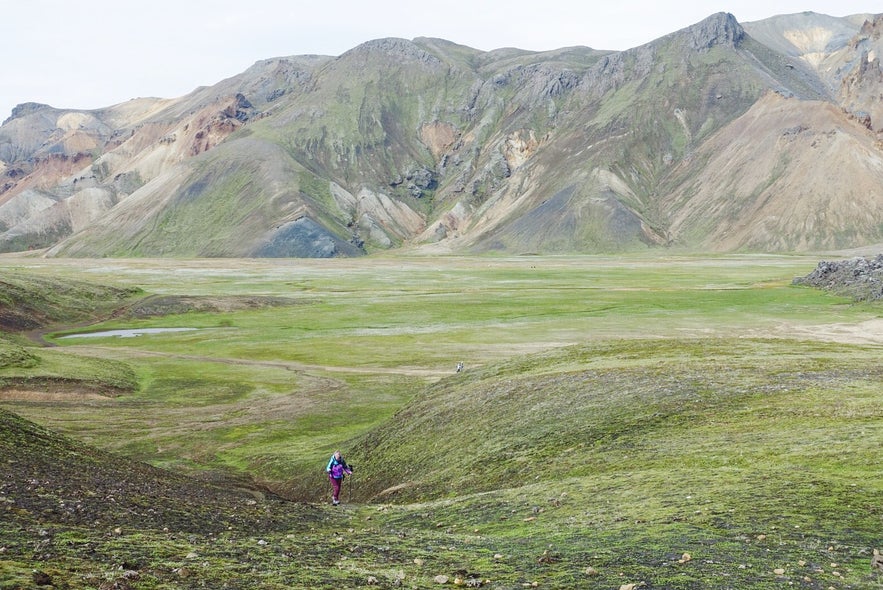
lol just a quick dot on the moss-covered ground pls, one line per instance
(682, 422)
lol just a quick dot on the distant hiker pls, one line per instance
(337, 469)
(459, 366)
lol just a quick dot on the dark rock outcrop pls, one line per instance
(859, 278)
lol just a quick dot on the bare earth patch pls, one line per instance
(31, 395)
(867, 332)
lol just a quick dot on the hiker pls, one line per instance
(459, 366)
(337, 469)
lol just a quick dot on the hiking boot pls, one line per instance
(335, 502)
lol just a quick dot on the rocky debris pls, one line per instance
(859, 278)
(538, 82)
(242, 110)
(279, 92)
(417, 181)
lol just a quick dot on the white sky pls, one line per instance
(88, 55)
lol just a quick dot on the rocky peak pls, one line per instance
(860, 85)
(398, 49)
(873, 28)
(718, 29)
(26, 108)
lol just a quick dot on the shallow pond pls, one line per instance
(126, 333)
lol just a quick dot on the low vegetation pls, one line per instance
(688, 423)
(29, 301)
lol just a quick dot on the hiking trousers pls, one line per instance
(335, 487)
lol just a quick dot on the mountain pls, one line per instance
(718, 137)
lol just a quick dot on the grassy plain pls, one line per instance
(675, 422)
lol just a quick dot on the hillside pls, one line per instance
(74, 517)
(721, 136)
(617, 409)
(30, 302)
(664, 464)
(49, 480)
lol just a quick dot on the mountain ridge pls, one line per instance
(431, 146)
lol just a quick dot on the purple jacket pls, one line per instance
(337, 469)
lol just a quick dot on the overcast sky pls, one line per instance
(88, 55)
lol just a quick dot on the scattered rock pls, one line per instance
(779, 571)
(42, 578)
(441, 579)
(685, 558)
(877, 561)
(372, 581)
